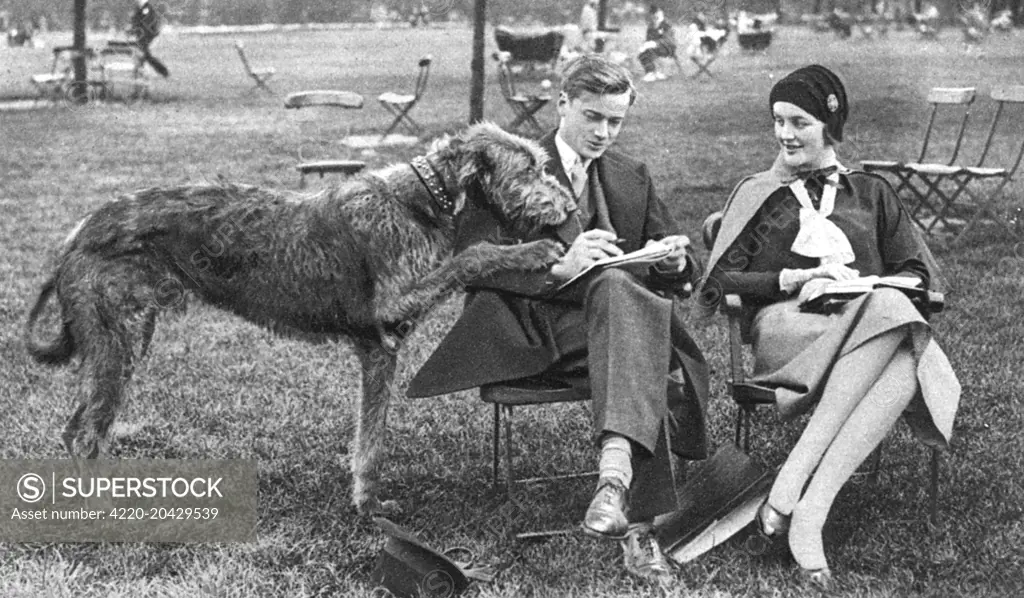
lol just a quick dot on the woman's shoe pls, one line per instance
(819, 579)
(770, 522)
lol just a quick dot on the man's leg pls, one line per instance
(628, 355)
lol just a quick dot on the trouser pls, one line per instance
(645, 375)
(648, 56)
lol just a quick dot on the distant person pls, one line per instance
(420, 15)
(588, 26)
(144, 27)
(661, 43)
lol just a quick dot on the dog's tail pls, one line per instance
(59, 350)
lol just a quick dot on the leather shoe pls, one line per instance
(770, 522)
(606, 515)
(818, 579)
(642, 556)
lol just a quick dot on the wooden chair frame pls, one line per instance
(926, 196)
(399, 105)
(749, 396)
(260, 75)
(984, 204)
(346, 100)
(525, 106)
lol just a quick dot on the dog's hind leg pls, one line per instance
(378, 369)
(107, 363)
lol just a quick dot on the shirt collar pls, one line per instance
(568, 155)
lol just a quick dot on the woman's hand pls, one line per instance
(586, 249)
(834, 271)
(812, 287)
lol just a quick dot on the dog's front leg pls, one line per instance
(378, 369)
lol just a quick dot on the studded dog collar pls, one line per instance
(434, 183)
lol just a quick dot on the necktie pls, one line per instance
(578, 179)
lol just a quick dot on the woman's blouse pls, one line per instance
(867, 211)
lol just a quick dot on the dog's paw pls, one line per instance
(542, 253)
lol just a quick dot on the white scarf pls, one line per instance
(819, 237)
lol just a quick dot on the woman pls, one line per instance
(785, 233)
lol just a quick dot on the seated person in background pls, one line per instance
(786, 232)
(588, 26)
(616, 332)
(660, 43)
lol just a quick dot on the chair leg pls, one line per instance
(933, 507)
(509, 478)
(496, 438)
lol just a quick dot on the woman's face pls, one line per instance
(800, 135)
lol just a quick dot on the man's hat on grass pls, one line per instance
(409, 568)
(818, 91)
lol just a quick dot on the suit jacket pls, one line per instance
(503, 328)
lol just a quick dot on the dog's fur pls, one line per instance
(363, 260)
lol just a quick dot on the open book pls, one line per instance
(652, 253)
(838, 292)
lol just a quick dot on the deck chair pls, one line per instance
(52, 86)
(920, 183)
(523, 105)
(260, 76)
(983, 203)
(121, 65)
(506, 396)
(317, 134)
(399, 104)
(749, 396)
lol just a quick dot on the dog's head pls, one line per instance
(506, 172)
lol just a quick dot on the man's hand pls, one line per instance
(675, 261)
(586, 249)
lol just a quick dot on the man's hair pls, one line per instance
(598, 75)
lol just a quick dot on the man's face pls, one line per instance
(591, 122)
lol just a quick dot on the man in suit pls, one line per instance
(144, 27)
(616, 332)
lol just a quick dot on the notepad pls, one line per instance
(654, 252)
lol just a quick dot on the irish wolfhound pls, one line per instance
(362, 260)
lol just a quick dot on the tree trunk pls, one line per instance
(79, 89)
(476, 86)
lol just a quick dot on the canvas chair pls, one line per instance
(1002, 126)
(920, 183)
(319, 100)
(399, 105)
(53, 85)
(260, 76)
(121, 66)
(750, 396)
(506, 396)
(524, 106)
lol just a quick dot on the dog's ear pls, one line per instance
(444, 142)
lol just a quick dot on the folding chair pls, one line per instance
(524, 106)
(320, 99)
(749, 396)
(260, 76)
(930, 175)
(121, 66)
(52, 85)
(400, 104)
(983, 204)
(505, 396)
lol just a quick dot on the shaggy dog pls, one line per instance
(363, 260)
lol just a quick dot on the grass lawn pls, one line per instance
(236, 391)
